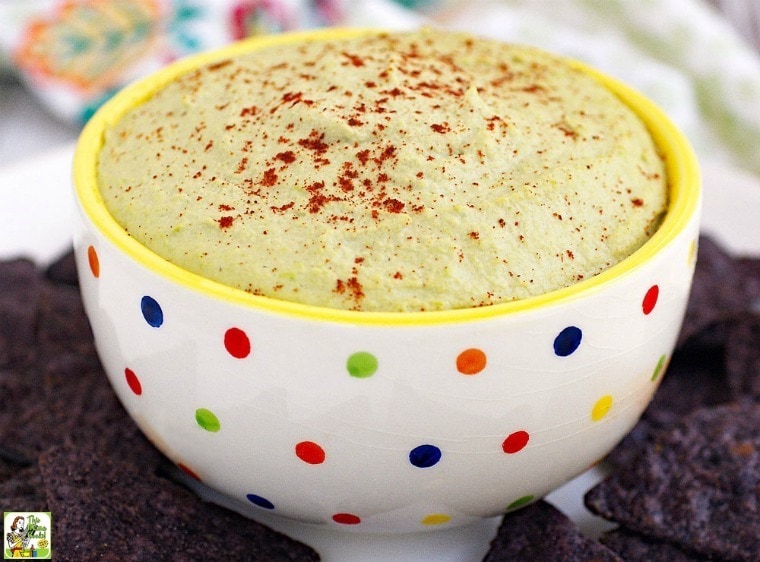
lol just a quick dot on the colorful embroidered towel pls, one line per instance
(684, 54)
(74, 54)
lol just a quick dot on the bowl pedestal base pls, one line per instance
(455, 544)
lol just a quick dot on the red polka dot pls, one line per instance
(237, 343)
(346, 518)
(515, 442)
(93, 261)
(133, 381)
(650, 299)
(184, 468)
(310, 452)
(471, 361)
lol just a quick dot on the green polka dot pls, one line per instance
(519, 502)
(207, 420)
(361, 364)
(658, 368)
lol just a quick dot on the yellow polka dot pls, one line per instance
(692, 257)
(601, 407)
(436, 519)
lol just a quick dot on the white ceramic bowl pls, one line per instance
(382, 422)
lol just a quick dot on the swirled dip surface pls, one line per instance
(399, 172)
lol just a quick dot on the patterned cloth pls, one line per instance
(682, 53)
(73, 54)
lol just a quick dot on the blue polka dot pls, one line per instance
(259, 501)
(567, 341)
(151, 311)
(425, 456)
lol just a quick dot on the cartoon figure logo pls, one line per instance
(27, 535)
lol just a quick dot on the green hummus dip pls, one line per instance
(395, 172)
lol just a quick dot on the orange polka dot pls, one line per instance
(190, 472)
(92, 259)
(471, 361)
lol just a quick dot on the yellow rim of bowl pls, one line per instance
(680, 161)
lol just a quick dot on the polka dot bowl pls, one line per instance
(382, 422)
